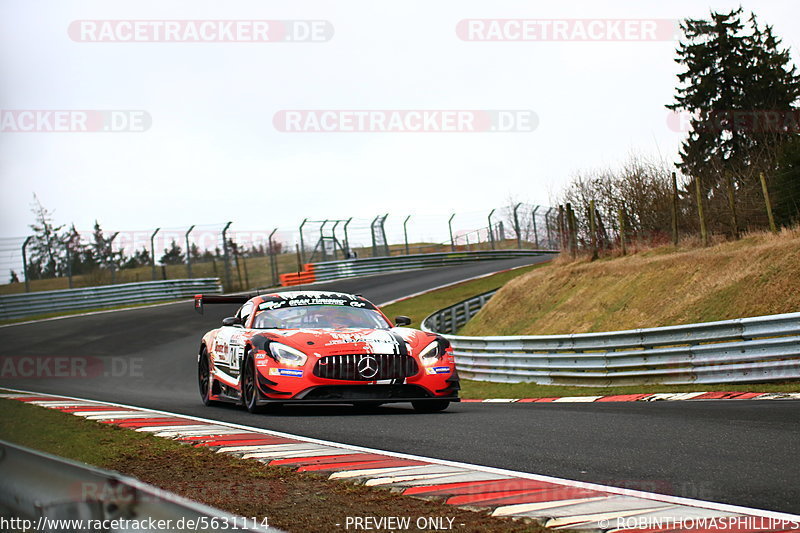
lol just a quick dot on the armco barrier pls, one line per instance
(347, 268)
(37, 303)
(53, 494)
(757, 349)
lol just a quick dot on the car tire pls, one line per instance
(204, 378)
(250, 393)
(430, 406)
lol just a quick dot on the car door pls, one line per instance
(229, 343)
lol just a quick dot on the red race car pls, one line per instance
(319, 347)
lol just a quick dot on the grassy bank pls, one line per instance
(292, 501)
(757, 275)
(423, 305)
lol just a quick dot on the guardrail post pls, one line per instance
(153, 253)
(491, 229)
(535, 230)
(405, 234)
(228, 282)
(188, 252)
(450, 227)
(273, 263)
(516, 226)
(25, 263)
(111, 255)
(301, 258)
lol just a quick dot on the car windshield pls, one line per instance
(319, 316)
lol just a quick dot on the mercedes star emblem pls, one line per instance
(367, 367)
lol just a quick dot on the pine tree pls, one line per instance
(46, 243)
(172, 255)
(738, 86)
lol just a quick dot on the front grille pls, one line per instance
(360, 367)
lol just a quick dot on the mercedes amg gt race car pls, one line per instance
(321, 347)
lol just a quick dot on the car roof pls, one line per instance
(315, 298)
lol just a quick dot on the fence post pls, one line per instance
(228, 282)
(573, 230)
(405, 234)
(188, 253)
(301, 258)
(347, 239)
(621, 219)
(450, 228)
(153, 253)
(772, 227)
(547, 223)
(335, 224)
(517, 228)
(383, 233)
(593, 230)
(535, 231)
(491, 229)
(25, 263)
(674, 210)
(700, 213)
(561, 228)
(732, 206)
(111, 255)
(69, 263)
(272, 260)
(322, 240)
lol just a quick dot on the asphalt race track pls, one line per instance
(735, 451)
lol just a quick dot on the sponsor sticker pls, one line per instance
(438, 370)
(295, 373)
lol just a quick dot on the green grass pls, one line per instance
(484, 389)
(421, 306)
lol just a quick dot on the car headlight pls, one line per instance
(431, 353)
(286, 355)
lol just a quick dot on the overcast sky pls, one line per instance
(210, 150)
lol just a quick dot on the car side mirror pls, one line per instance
(400, 321)
(231, 321)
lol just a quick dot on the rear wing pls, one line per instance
(201, 299)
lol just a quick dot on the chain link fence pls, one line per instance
(244, 258)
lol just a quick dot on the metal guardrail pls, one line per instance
(347, 268)
(55, 494)
(765, 348)
(37, 303)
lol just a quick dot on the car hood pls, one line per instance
(324, 342)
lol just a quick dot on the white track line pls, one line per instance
(723, 507)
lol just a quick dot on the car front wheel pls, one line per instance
(250, 393)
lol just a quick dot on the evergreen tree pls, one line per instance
(172, 255)
(739, 87)
(46, 243)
